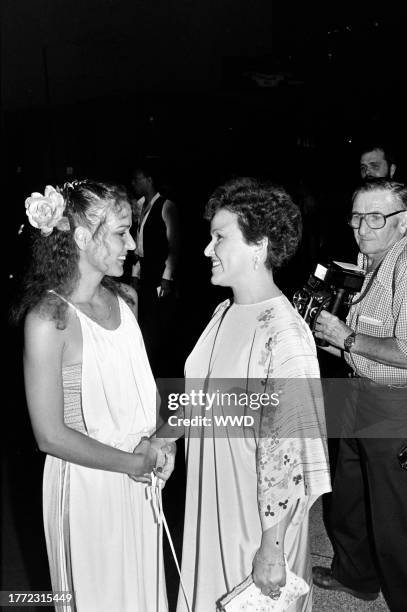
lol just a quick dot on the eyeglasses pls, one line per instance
(374, 220)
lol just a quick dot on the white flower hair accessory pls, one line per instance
(47, 211)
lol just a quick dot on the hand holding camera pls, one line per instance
(329, 328)
(329, 291)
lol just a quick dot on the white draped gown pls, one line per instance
(238, 485)
(102, 540)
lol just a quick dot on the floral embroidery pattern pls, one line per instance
(265, 317)
(266, 354)
(278, 464)
(269, 344)
(284, 353)
(263, 361)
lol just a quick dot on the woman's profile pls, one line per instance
(91, 398)
(249, 492)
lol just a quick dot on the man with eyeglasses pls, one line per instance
(368, 513)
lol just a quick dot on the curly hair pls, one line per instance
(55, 257)
(263, 210)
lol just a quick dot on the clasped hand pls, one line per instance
(328, 327)
(159, 456)
(146, 455)
(269, 573)
(166, 452)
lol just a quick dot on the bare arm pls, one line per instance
(268, 564)
(171, 219)
(381, 350)
(43, 351)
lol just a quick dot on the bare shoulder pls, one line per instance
(46, 327)
(132, 295)
(41, 335)
(129, 291)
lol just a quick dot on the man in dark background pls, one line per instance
(154, 275)
(377, 161)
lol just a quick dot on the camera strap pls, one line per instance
(368, 286)
(371, 279)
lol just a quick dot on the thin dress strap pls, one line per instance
(64, 300)
(82, 316)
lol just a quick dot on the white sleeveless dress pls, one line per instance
(102, 539)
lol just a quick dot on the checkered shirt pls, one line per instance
(382, 313)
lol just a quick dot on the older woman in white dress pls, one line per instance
(249, 491)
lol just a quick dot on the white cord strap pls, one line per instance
(62, 492)
(154, 494)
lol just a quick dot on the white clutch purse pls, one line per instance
(246, 597)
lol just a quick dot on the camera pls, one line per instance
(331, 287)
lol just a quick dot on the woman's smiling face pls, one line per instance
(232, 257)
(108, 251)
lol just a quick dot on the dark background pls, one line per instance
(90, 84)
(283, 89)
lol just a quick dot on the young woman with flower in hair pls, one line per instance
(91, 398)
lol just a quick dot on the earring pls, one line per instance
(256, 262)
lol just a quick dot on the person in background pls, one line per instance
(155, 274)
(377, 161)
(92, 399)
(368, 512)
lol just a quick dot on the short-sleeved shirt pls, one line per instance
(382, 313)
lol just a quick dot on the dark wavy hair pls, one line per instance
(55, 257)
(264, 210)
